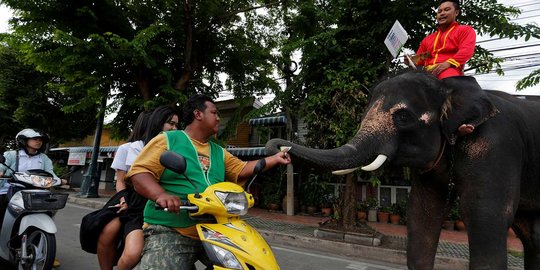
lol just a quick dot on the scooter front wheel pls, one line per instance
(40, 251)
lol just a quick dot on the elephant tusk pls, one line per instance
(375, 164)
(343, 172)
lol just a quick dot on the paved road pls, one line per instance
(72, 257)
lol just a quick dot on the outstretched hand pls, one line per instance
(279, 158)
(282, 158)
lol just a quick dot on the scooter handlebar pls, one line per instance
(185, 206)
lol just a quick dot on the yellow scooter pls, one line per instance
(229, 242)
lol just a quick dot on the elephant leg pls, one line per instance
(487, 226)
(527, 229)
(425, 213)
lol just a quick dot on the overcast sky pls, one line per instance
(516, 66)
(520, 61)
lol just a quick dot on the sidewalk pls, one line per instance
(298, 231)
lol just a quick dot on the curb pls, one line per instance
(334, 247)
(85, 202)
(359, 251)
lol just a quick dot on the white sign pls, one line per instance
(396, 38)
(76, 159)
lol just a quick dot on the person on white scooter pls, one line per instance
(172, 242)
(31, 144)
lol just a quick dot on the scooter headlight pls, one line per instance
(218, 254)
(222, 257)
(235, 203)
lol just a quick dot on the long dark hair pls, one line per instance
(159, 116)
(140, 126)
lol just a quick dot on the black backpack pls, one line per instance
(93, 223)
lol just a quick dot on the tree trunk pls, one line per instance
(143, 82)
(349, 202)
(182, 83)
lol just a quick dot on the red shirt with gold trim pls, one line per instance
(455, 46)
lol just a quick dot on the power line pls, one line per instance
(522, 18)
(530, 10)
(525, 4)
(513, 48)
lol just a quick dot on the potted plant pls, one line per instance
(361, 210)
(453, 215)
(272, 201)
(395, 213)
(313, 192)
(383, 214)
(327, 202)
(402, 207)
(272, 192)
(372, 205)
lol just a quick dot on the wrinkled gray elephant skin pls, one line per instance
(413, 119)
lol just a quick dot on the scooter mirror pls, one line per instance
(177, 163)
(173, 161)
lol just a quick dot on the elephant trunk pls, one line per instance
(355, 153)
(375, 140)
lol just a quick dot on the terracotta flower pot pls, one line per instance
(383, 217)
(361, 215)
(394, 219)
(273, 206)
(326, 211)
(460, 225)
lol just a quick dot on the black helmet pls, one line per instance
(29, 133)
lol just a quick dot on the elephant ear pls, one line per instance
(466, 103)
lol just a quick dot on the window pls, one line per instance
(389, 195)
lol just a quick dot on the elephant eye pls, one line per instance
(403, 117)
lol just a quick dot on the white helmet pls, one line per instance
(29, 133)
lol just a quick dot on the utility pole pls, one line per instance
(90, 184)
(289, 70)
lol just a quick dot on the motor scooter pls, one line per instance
(27, 238)
(229, 242)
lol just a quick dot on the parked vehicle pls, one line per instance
(27, 238)
(229, 242)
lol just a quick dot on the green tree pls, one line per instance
(27, 101)
(343, 56)
(143, 53)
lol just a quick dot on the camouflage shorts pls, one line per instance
(165, 248)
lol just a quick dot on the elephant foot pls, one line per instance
(465, 129)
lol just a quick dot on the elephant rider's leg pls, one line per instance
(465, 129)
(425, 212)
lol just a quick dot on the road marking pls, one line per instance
(352, 264)
(356, 267)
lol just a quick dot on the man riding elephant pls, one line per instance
(411, 121)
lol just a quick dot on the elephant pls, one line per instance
(412, 120)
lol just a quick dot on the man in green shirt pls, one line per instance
(171, 241)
